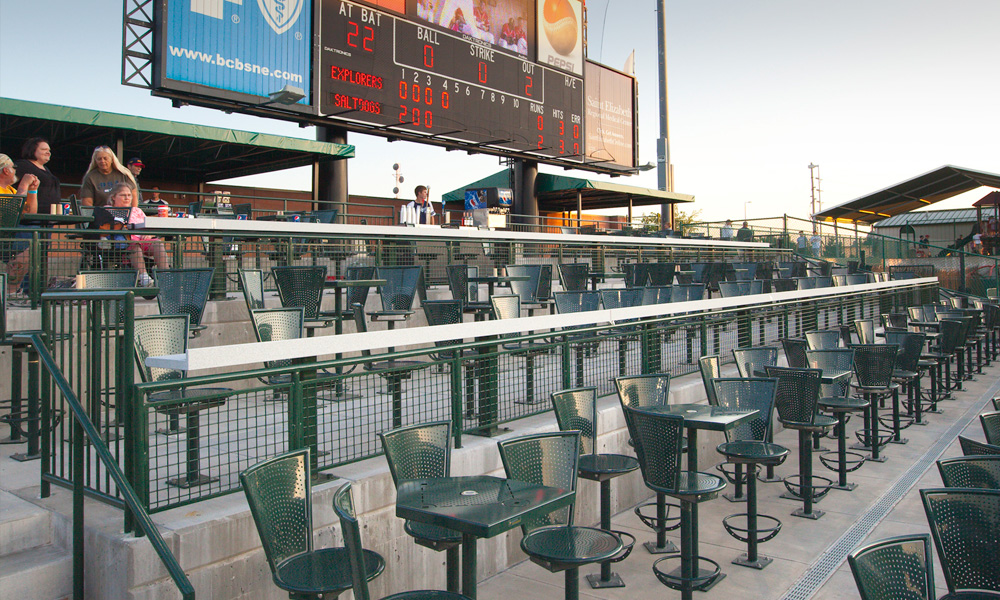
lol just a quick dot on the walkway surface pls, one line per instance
(809, 556)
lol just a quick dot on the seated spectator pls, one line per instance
(744, 234)
(104, 172)
(15, 254)
(141, 245)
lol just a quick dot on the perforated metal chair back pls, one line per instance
(526, 290)
(949, 336)
(832, 360)
(911, 344)
(656, 294)
(574, 302)
(750, 361)
(823, 281)
(898, 568)
(548, 459)
(731, 289)
(343, 506)
(458, 283)
(636, 274)
(11, 206)
(965, 524)
(301, 287)
(856, 278)
(971, 447)
(160, 335)
(278, 491)
(442, 312)
(621, 297)
(661, 273)
(971, 472)
(805, 283)
(991, 427)
(894, 320)
(795, 352)
(110, 280)
(823, 339)
(873, 364)
(748, 393)
(574, 277)
(274, 324)
(576, 409)
(797, 395)
(183, 291)
(358, 294)
(252, 284)
(544, 291)
(783, 285)
(506, 307)
(418, 451)
(865, 330)
(402, 284)
(710, 368)
(687, 292)
(657, 439)
(639, 391)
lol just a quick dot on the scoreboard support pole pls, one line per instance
(331, 175)
(525, 198)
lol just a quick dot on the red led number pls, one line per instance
(352, 34)
(367, 42)
(527, 86)
(428, 56)
(482, 72)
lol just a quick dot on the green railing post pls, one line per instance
(744, 329)
(455, 374)
(565, 363)
(126, 395)
(79, 473)
(35, 274)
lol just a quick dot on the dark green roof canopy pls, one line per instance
(557, 193)
(180, 151)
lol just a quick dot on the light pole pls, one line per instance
(665, 180)
(814, 192)
(745, 208)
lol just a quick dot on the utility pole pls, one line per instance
(814, 191)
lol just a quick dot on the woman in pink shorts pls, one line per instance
(141, 245)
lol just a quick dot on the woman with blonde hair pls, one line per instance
(141, 245)
(104, 173)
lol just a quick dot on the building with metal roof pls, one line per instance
(920, 191)
(944, 226)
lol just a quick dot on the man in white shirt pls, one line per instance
(423, 206)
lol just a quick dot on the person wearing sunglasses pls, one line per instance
(104, 172)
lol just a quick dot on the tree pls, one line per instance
(681, 219)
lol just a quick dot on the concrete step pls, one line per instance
(23, 525)
(43, 573)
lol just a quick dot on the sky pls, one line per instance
(873, 91)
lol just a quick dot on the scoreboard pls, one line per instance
(501, 77)
(385, 71)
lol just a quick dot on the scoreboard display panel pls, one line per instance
(386, 71)
(502, 77)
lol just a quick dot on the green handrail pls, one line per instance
(84, 428)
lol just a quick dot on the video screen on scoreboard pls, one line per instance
(508, 24)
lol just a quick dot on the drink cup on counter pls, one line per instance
(296, 218)
(55, 209)
(67, 209)
(162, 211)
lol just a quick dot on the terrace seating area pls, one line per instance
(485, 372)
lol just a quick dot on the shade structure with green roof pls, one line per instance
(560, 193)
(190, 153)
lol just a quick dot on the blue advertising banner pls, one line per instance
(247, 46)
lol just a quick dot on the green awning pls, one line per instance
(558, 193)
(182, 152)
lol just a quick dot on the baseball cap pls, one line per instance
(135, 161)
